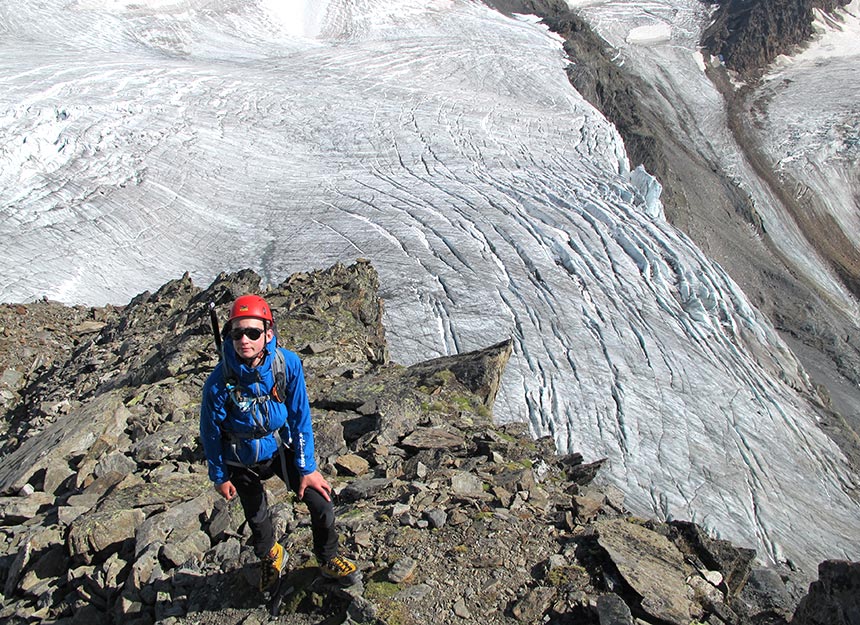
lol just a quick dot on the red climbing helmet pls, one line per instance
(251, 306)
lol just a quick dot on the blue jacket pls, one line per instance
(221, 418)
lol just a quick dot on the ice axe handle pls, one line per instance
(213, 318)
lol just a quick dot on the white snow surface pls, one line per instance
(809, 121)
(441, 140)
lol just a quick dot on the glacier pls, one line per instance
(806, 116)
(789, 117)
(442, 141)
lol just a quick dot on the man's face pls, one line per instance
(246, 347)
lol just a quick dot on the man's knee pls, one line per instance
(321, 509)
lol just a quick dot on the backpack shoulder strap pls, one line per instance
(230, 379)
(279, 372)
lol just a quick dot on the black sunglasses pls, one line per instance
(252, 333)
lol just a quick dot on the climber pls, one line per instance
(255, 422)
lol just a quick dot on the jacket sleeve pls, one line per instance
(212, 414)
(299, 414)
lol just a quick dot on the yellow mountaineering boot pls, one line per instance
(271, 566)
(340, 569)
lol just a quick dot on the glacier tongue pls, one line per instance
(442, 141)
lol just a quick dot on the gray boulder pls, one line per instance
(652, 566)
(103, 419)
(834, 599)
(95, 536)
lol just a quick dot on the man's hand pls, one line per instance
(227, 490)
(316, 481)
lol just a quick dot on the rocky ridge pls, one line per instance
(107, 515)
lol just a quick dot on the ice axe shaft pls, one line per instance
(213, 318)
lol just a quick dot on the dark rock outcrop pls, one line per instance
(749, 34)
(834, 599)
(108, 515)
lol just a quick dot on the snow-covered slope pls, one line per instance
(674, 61)
(807, 116)
(442, 141)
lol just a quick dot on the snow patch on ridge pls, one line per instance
(651, 33)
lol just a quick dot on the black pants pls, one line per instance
(249, 485)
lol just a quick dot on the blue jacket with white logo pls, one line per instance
(237, 427)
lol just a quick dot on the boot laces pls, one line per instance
(339, 566)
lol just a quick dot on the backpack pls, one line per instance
(278, 394)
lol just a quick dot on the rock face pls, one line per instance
(108, 516)
(833, 599)
(749, 34)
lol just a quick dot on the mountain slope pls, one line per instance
(108, 514)
(444, 142)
